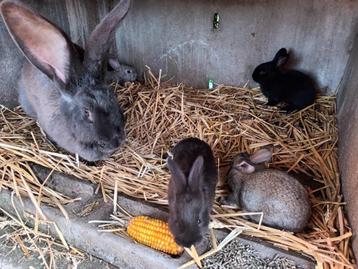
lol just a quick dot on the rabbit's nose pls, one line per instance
(188, 241)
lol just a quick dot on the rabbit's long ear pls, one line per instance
(42, 43)
(99, 41)
(261, 156)
(177, 175)
(281, 57)
(196, 172)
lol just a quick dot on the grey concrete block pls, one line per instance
(14, 258)
(347, 105)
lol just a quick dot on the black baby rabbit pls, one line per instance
(191, 190)
(64, 91)
(292, 87)
(282, 199)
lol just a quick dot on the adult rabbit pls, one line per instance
(64, 92)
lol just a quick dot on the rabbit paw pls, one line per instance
(272, 102)
(289, 108)
(228, 201)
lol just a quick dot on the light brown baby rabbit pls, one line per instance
(282, 199)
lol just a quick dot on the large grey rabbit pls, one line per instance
(282, 199)
(191, 190)
(64, 90)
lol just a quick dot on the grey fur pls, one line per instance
(120, 72)
(191, 190)
(282, 199)
(115, 71)
(64, 88)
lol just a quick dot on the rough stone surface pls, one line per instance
(348, 141)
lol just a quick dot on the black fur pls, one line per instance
(292, 87)
(191, 190)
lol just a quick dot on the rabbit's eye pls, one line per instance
(198, 221)
(262, 72)
(88, 115)
(244, 165)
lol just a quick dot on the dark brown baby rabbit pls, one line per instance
(64, 90)
(282, 199)
(191, 190)
(293, 87)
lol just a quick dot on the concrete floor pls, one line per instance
(11, 257)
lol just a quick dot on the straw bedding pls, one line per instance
(231, 120)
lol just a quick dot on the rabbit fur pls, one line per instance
(282, 199)
(64, 88)
(116, 71)
(191, 190)
(292, 87)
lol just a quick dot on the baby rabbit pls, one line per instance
(191, 190)
(293, 87)
(119, 72)
(115, 70)
(282, 199)
(64, 90)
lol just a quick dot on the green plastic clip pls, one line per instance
(211, 84)
(216, 21)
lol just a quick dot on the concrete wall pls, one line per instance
(77, 18)
(348, 140)
(177, 36)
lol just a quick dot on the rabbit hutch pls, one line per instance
(186, 72)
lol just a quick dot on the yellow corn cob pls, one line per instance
(153, 233)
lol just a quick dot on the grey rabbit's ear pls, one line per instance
(246, 167)
(99, 41)
(196, 172)
(114, 63)
(261, 156)
(281, 57)
(177, 175)
(42, 43)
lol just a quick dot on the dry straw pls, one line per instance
(231, 120)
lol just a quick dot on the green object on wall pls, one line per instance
(211, 84)
(216, 21)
